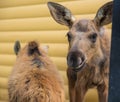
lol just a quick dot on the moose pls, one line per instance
(89, 51)
(34, 77)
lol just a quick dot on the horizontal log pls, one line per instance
(24, 11)
(9, 60)
(30, 24)
(77, 7)
(3, 94)
(14, 3)
(33, 24)
(3, 83)
(5, 71)
(57, 36)
(55, 49)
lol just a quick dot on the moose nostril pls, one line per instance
(75, 59)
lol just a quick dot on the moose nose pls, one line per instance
(75, 59)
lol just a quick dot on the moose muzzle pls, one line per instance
(76, 60)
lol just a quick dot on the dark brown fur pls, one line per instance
(29, 82)
(89, 51)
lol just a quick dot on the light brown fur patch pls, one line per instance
(28, 83)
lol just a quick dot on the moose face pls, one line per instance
(84, 43)
(84, 36)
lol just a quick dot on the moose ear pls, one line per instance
(17, 47)
(61, 14)
(45, 48)
(104, 14)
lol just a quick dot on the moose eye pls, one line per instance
(69, 36)
(93, 37)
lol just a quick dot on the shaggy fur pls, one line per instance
(34, 77)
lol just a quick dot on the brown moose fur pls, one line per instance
(89, 50)
(93, 75)
(31, 82)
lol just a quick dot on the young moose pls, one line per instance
(34, 77)
(89, 51)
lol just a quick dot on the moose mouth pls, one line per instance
(80, 66)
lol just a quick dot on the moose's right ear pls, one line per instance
(61, 14)
(45, 48)
(17, 47)
(104, 14)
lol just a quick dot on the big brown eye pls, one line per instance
(93, 37)
(69, 36)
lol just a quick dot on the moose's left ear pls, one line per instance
(104, 14)
(45, 48)
(61, 14)
(17, 47)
